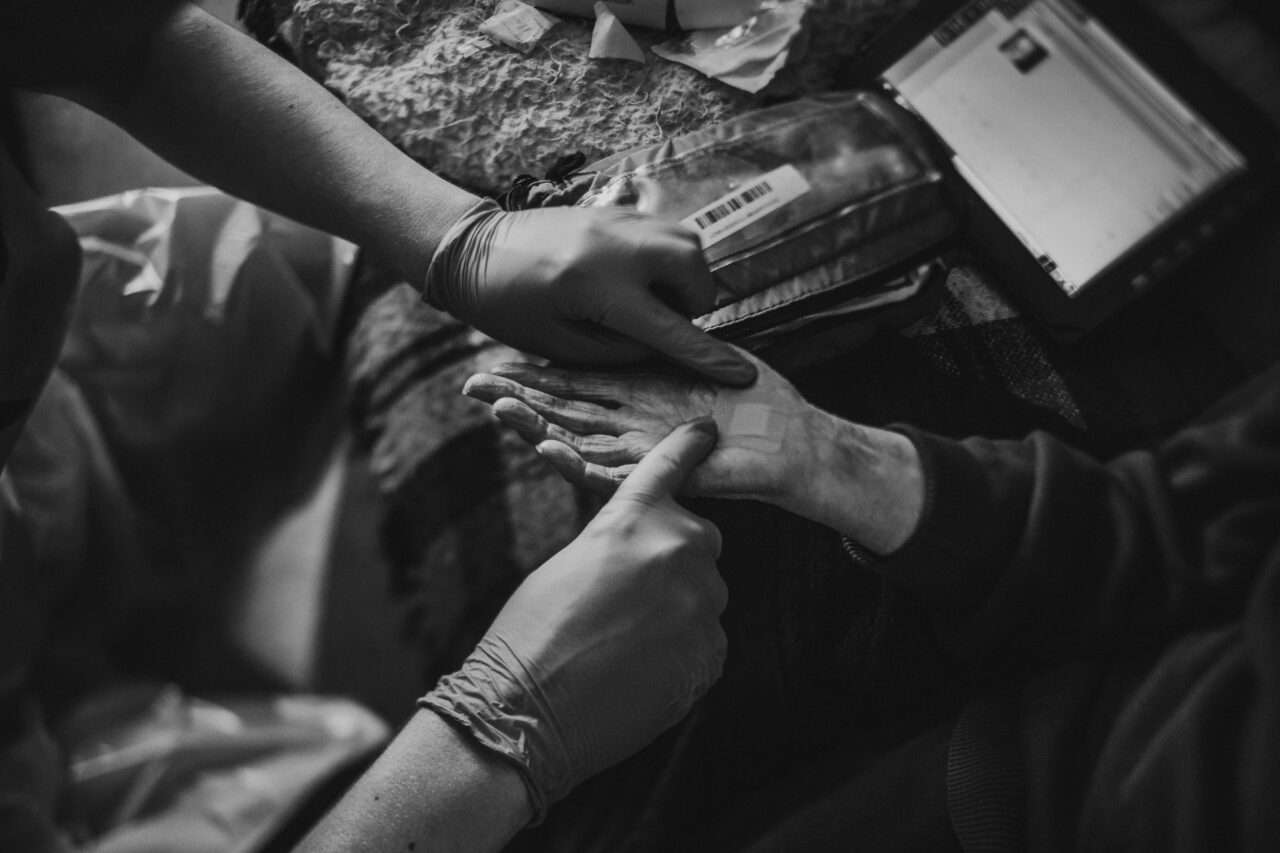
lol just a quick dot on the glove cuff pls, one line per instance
(487, 698)
(442, 266)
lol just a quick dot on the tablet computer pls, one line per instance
(1094, 151)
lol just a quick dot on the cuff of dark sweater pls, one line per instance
(945, 560)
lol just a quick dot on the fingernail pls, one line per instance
(744, 373)
(734, 371)
(706, 425)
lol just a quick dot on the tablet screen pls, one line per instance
(1070, 139)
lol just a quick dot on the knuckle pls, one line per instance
(688, 602)
(666, 468)
(710, 536)
(719, 644)
(614, 522)
(690, 251)
(711, 666)
(696, 599)
(719, 593)
(673, 551)
(557, 263)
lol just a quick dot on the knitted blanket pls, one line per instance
(481, 114)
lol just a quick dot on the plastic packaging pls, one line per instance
(517, 25)
(154, 769)
(821, 219)
(202, 337)
(713, 14)
(748, 55)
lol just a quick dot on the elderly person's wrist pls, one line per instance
(862, 482)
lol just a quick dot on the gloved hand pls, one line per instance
(582, 286)
(606, 645)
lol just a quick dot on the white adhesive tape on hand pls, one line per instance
(754, 426)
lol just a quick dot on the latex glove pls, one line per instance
(607, 644)
(582, 286)
(594, 427)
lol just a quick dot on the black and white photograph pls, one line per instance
(651, 426)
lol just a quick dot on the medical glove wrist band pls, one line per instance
(496, 700)
(450, 256)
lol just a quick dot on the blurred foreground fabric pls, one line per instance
(177, 425)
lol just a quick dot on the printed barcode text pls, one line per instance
(711, 217)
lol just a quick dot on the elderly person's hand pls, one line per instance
(774, 445)
(594, 427)
(583, 287)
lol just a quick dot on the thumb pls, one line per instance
(649, 321)
(664, 469)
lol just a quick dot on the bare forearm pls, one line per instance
(227, 110)
(431, 790)
(863, 482)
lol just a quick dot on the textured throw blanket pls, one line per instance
(480, 114)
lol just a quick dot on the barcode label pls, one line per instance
(735, 211)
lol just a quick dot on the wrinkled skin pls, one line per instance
(594, 427)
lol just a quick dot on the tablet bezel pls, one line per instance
(1155, 257)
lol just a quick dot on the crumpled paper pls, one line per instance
(518, 25)
(748, 55)
(610, 39)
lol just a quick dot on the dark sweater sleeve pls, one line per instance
(1032, 552)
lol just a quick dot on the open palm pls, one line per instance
(595, 427)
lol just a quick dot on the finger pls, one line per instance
(574, 415)
(710, 534)
(663, 471)
(594, 478)
(647, 320)
(527, 423)
(605, 388)
(711, 663)
(673, 260)
(718, 590)
(604, 450)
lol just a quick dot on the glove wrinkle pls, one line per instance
(580, 286)
(606, 645)
(452, 256)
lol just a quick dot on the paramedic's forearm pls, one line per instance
(431, 790)
(219, 105)
(862, 482)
